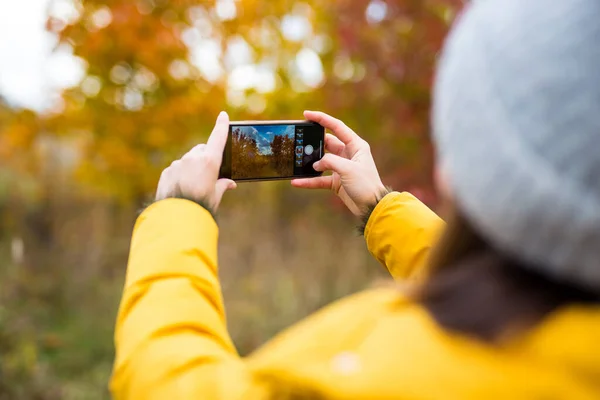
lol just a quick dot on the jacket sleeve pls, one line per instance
(400, 234)
(171, 337)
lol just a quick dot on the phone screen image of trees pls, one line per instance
(262, 151)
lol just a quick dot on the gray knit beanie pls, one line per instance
(516, 119)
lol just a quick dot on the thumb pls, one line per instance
(334, 163)
(221, 187)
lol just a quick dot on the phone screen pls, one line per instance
(272, 150)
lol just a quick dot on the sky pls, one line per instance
(31, 74)
(264, 134)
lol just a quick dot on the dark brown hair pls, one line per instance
(478, 291)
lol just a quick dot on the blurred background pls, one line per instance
(97, 97)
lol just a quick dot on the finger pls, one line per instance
(319, 182)
(334, 145)
(221, 187)
(331, 162)
(337, 127)
(218, 138)
(197, 149)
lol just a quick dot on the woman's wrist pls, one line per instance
(202, 203)
(384, 191)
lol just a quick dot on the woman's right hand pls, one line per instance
(355, 178)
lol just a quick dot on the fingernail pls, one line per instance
(222, 114)
(316, 165)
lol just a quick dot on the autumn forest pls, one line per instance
(275, 159)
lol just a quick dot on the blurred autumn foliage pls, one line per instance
(157, 73)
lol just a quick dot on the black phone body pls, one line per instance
(272, 150)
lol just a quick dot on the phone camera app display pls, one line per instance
(262, 151)
(307, 150)
(272, 151)
(299, 147)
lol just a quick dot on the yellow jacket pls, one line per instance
(172, 340)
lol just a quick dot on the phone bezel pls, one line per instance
(226, 155)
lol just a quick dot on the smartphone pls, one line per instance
(272, 150)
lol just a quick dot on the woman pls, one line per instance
(506, 306)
